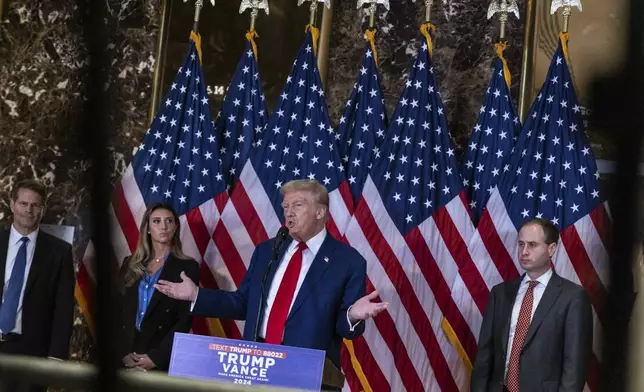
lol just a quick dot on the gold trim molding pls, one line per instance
(325, 38)
(159, 64)
(526, 85)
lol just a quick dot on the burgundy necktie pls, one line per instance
(523, 323)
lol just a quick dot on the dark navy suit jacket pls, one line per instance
(318, 317)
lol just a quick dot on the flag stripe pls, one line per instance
(442, 293)
(394, 269)
(458, 249)
(199, 230)
(251, 218)
(341, 197)
(405, 348)
(594, 246)
(125, 218)
(496, 249)
(244, 245)
(585, 271)
(332, 228)
(234, 264)
(221, 275)
(406, 373)
(602, 221)
(133, 195)
(120, 245)
(201, 236)
(209, 215)
(220, 201)
(262, 207)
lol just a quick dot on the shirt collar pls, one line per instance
(543, 279)
(15, 236)
(314, 243)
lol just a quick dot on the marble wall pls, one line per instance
(463, 54)
(43, 63)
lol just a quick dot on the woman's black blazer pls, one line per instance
(163, 317)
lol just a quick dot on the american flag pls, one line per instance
(552, 175)
(412, 225)
(363, 125)
(175, 164)
(242, 116)
(490, 143)
(296, 143)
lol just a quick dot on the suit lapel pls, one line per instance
(166, 274)
(4, 246)
(40, 260)
(511, 290)
(319, 266)
(548, 299)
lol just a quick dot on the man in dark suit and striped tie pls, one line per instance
(36, 283)
(537, 330)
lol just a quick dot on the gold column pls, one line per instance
(159, 64)
(527, 63)
(323, 47)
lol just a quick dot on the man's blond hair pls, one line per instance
(319, 192)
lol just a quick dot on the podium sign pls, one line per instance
(246, 363)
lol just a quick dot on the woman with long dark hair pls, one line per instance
(148, 319)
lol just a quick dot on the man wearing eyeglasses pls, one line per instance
(36, 283)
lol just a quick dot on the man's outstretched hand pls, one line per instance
(364, 309)
(186, 290)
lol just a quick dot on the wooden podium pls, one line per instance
(332, 376)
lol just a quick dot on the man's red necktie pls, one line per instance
(284, 297)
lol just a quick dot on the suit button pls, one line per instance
(160, 326)
(124, 327)
(167, 310)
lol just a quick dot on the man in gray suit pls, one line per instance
(537, 330)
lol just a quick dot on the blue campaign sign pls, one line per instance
(246, 363)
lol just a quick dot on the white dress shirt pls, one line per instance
(12, 252)
(542, 282)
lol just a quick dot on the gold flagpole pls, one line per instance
(162, 41)
(527, 61)
(325, 38)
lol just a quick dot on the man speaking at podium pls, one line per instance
(305, 291)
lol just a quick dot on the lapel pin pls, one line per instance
(326, 259)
